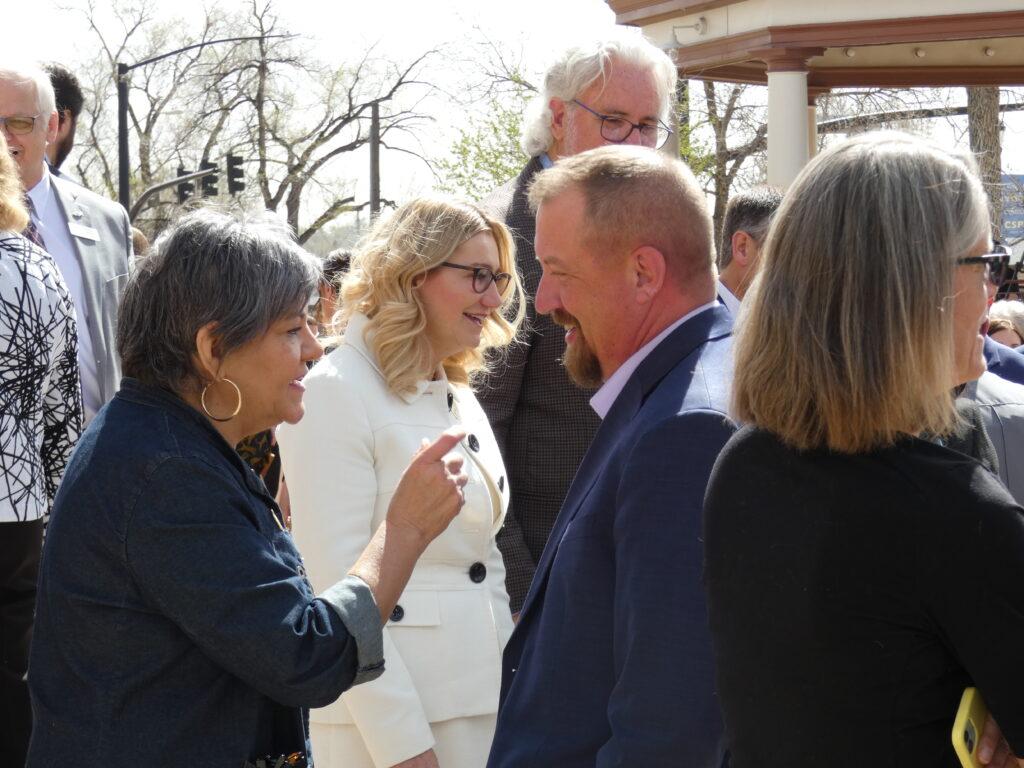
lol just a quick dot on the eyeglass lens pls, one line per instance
(998, 269)
(18, 125)
(617, 129)
(483, 277)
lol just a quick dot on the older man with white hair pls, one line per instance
(614, 90)
(88, 236)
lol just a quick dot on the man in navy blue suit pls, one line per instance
(610, 663)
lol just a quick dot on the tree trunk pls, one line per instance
(983, 127)
(679, 142)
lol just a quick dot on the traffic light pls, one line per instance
(209, 181)
(236, 177)
(186, 189)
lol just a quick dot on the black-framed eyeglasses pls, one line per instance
(483, 277)
(19, 126)
(617, 129)
(997, 263)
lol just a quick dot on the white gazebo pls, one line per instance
(801, 48)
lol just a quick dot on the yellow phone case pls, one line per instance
(967, 727)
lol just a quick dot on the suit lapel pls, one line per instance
(594, 461)
(711, 324)
(75, 214)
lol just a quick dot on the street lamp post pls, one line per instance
(375, 158)
(123, 191)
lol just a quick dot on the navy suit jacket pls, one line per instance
(611, 662)
(1005, 362)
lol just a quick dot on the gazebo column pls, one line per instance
(788, 139)
(812, 119)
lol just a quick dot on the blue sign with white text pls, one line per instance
(1013, 206)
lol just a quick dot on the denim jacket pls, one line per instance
(175, 625)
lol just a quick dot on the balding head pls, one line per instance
(636, 197)
(625, 242)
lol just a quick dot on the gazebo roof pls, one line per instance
(845, 43)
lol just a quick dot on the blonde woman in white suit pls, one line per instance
(428, 295)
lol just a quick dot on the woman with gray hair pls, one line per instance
(175, 623)
(860, 574)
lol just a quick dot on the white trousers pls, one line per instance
(460, 743)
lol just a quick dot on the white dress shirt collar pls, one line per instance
(606, 396)
(41, 194)
(730, 299)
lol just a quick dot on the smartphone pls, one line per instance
(967, 727)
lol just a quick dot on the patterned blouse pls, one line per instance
(40, 395)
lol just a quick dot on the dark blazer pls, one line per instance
(1005, 362)
(174, 622)
(610, 664)
(542, 421)
(102, 237)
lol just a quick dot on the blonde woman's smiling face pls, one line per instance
(455, 312)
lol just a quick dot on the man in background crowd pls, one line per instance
(615, 90)
(88, 236)
(69, 101)
(743, 232)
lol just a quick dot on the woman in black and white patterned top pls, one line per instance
(40, 420)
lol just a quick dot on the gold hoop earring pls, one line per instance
(238, 392)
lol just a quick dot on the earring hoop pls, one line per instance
(206, 410)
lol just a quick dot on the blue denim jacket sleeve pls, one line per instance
(206, 552)
(352, 599)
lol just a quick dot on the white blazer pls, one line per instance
(342, 463)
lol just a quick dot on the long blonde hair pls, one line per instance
(381, 285)
(846, 341)
(13, 216)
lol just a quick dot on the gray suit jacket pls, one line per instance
(105, 261)
(542, 421)
(1001, 403)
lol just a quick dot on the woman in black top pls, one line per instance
(859, 575)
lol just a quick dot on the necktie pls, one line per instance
(32, 232)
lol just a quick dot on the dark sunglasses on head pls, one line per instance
(997, 263)
(19, 126)
(483, 277)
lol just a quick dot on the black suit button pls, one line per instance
(474, 444)
(398, 614)
(501, 483)
(477, 572)
(451, 400)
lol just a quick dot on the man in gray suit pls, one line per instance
(617, 90)
(88, 236)
(1001, 404)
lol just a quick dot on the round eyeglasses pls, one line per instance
(483, 277)
(617, 129)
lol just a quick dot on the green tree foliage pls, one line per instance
(487, 153)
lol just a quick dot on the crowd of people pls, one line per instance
(555, 479)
